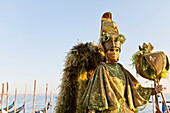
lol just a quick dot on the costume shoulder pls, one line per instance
(102, 65)
(101, 68)
(79, 66)
(128, 74)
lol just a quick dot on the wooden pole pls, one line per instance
(15, 100)
(51, 103)
(25, 97)
(7, 101)
(164, 100)
(153, 101)
(156, 97)
(2, 98)
(34, 96)
(46, 98)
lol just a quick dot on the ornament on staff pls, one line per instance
(151, 65)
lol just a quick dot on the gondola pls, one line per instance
(164, 109)
(9, 107)
(18, 109)
(43, 110)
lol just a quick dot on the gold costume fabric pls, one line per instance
(112, 89)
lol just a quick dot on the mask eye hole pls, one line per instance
(117, 49)
(112, 50)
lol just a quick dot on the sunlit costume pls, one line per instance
(112, 88)
(94, 81)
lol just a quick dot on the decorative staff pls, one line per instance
(151, 65)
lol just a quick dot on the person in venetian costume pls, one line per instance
(94, 82)
(113, 89)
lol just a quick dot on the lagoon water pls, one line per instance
(40, 103)
(149, 107)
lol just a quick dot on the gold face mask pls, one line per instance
(112, 55)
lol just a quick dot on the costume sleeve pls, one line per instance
(145, 92)
(136, 95)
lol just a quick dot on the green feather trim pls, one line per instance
(80, 59)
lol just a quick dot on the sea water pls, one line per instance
(40, 103)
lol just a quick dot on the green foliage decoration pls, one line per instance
(147, 69)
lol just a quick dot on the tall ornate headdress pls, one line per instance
(109, 35)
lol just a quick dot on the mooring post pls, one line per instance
(7, 96)
(153, 103)
(46, 98)
(51, 103)
(15, 100)
(34, 96)
(25, 97)
(2, 98)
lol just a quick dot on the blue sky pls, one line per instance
(35, 36)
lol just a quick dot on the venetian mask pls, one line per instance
(112, 55)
